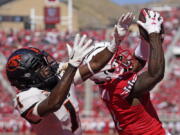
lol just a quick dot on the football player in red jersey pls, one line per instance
(127, 93)
(128, 97)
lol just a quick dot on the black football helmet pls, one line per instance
(31, 67)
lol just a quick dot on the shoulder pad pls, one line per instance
(24, 100)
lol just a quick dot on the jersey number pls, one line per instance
(68, 105)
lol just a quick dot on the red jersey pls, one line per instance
(139, 119)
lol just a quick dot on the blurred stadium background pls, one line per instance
(50, 24)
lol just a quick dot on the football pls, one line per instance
(142, 31)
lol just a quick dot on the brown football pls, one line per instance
(142, 31)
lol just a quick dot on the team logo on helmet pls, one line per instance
(13, 63)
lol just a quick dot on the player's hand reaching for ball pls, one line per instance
(80, 49)
(123, 24)
(120, 30)
(153, 21)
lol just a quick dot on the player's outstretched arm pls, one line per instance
(54, 101)
(155, 72)
(103, 57)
